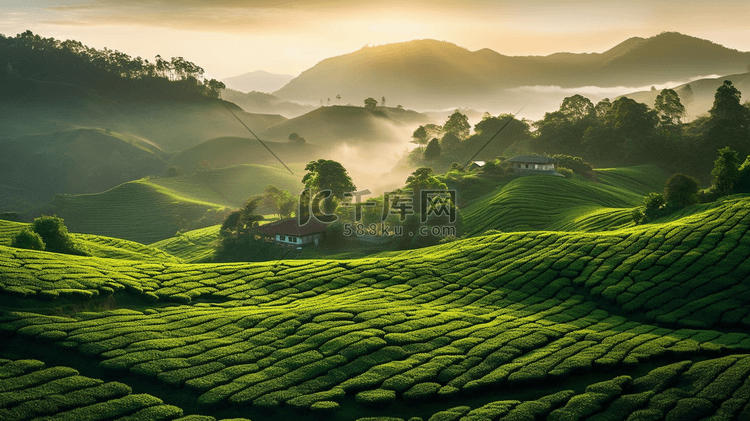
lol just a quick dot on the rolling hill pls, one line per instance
(224, 152)
(99, 246)
(544, 203)
(435, 74)
(73, 161)
(38, 107)
(328, 126)
(263, 103)
(649, 320)
(149, 210)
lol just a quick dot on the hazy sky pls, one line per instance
(230, 37)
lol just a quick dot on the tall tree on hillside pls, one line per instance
(279, 201)
(562, 131)
(371, 103)
(729, 122)
(627, 135)
(669, 108)
(601, 108)
(458, 124)
(420, 136)
(338, 97)
(725, 171)
(326, 174)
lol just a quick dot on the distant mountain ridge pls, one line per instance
(429, 73)
(259, 80)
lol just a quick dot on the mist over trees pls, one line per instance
(109, 72)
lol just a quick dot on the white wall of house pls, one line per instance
(291, 239)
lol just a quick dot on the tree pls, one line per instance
(449, 145)
(424, 178)
(654, 201)
(742, 185)
(627, 135)
(729, 122)
(371, 103)
(382, 102)
(419, 136)
(601, 108)
(458, 124)
(562, 131)
(432, 152)
(28, 239)
(725, 171)
(576, 108)
(54, 234)
(325, 174)
(338, 97)
(173, 171)
(293, 137)
(279, 201)
(681, 190)
(669, 108)
(687, 97)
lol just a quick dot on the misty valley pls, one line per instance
(410, 231)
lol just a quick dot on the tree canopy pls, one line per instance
(458, 124)
(105, 71)
(326, 174)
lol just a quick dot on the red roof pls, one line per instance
(292, 227)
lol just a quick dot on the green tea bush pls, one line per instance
(377, 397)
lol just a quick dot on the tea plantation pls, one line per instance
(622, 322)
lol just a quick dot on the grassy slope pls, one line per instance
(332, 125)
(491, 313)
(138, 211)
(231, 186)
(191, 246)
(73, 161)
(231, 151)
(148, 210)
(99, 246)
(559, 204)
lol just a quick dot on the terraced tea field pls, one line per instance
(553, 203)
(647, 322)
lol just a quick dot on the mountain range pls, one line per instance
(438, 74)
(258, 80)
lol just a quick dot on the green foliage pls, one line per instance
(669, 108)
(574, 163)
(725, 171)
(377, 397)
(106, 71)
(325, 174)
(433, 151)
(654, 201)
(28, 239)
(458, 124)
(681, 190)
(371, 103)
(565, 172)
(55, 237)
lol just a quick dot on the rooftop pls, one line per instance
(532, 159)
(292, 227)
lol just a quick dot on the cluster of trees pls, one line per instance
(729, 177)
(608, 133)
(105, 71)
(626, 132)
(48, 233)
(441, 146)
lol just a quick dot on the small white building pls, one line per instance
(532, 164)
(289, 232)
